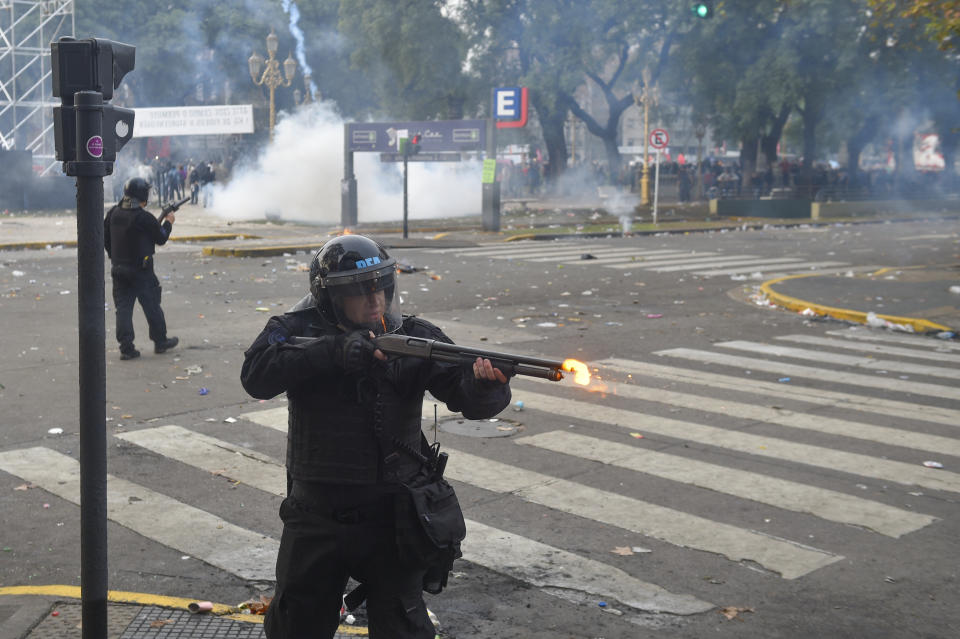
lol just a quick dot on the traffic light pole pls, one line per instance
(406, 156)
(89, 170)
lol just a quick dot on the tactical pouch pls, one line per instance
(430, 527)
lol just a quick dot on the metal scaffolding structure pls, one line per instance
(27, 27)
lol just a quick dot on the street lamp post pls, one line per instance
(306, 96)
(271, 76)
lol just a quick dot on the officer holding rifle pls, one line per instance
(353, 438)
(130, 235)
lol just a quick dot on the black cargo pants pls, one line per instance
(319, 549)
(131, 284)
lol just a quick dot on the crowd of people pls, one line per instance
(724, 178)
(171, 180)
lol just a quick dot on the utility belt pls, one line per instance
(357, 508)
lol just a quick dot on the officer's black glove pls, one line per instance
(354, 351)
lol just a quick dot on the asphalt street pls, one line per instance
(736, 467)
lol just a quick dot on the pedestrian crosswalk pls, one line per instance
(594, 254)
(639, 453)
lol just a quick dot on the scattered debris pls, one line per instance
(733, 612)
(256, 606)
(636, 435)
(204, 391)
(654, 315)
(55, 431)
(625, 551)
(230, 420)
(933, 464)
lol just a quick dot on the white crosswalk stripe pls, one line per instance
(810, 372)
(860, 333)
(621, 258)
(880, 349)
(770, 266)
(171, 522)
(494, 548)
(870, 363)
(827, 504)
(745, 445)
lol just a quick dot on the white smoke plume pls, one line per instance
(297, 178)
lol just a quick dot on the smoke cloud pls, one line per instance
(297, 178)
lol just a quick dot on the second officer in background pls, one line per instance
(130, 235)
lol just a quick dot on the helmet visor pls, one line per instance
(366, 301)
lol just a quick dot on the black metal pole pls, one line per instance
(90, 169)
(406, 154)
(348, 185)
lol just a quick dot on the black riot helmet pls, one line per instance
(137, 189)
(353, 280)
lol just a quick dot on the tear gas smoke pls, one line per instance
(297, 178)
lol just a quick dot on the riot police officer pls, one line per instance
(130, 234)
(353, 412)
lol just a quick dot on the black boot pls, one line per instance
(129, 352)
(165, 345)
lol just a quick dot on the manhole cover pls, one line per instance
(480, 427)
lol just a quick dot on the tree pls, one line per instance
(411, 52)
(939, 18)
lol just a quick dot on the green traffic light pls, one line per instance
(702, 9)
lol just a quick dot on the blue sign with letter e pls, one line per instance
(506, 104)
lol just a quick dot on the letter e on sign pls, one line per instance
(659, 138)
(507, 103)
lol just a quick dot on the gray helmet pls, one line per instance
(136, 188)
(347, 277)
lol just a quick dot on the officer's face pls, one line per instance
(365, 309)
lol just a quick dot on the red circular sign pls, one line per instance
(659, 138)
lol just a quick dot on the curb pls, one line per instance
(211, 237)
(221, 611)
(919, 325)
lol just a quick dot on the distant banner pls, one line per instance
(200, 120)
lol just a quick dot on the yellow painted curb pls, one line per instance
(161, 601)
(42, 244)
(262, 251)
(919, 325)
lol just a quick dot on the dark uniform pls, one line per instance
(130, 234)
(348, 426)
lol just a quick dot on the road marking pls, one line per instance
(551, 568)
(212, 455)
(701, 261)
(275, 418)
(515, 251)
(822, 374)
(871, 348)
(573, 257)
(764, 489)
(485, 546)
(788, 558)
(843, 360)
(733, 261)
(860, 403)
(760, 445)
(911, 340)
(189, 530)
(792, 268)
(497, 247)
(793, 419)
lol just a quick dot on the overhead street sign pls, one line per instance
(437, 136)
(421, 157)
(659, 138)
